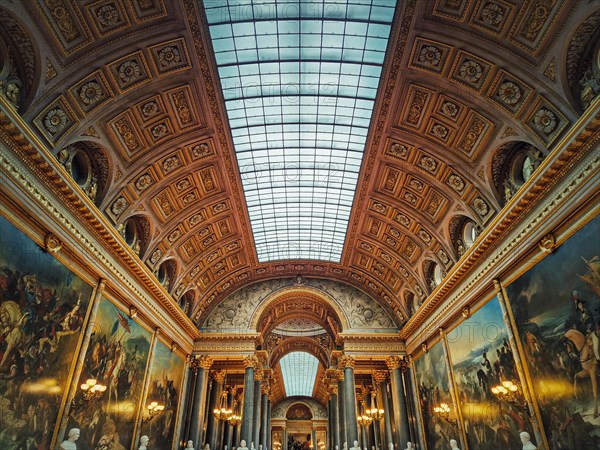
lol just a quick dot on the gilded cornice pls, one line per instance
(55, 193)
(573, 165)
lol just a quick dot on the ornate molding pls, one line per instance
(381, 376)
(504, 237)
(52, 244)
(346, 361)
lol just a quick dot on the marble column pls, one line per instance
(381, 378)
(269, 437)
(264, 409)
(334, 430)
(284, 439)
(313, 439)
(341, 410)
(347, 363)
(226, 432)
(201, 365)
(397, 366)
(213, 426)
(257, 411)
(248, 409)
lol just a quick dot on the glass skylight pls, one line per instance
(299, 79)
(299, 371)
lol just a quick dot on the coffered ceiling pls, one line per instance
(134, 83)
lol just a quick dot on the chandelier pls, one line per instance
(364, 420)
(222, 412)
(375, 413)
(235, 416)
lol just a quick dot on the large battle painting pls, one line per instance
(556, 306)
(433, 388)
(42, 311)
(116, 358)
(166, 376)
(482, 358)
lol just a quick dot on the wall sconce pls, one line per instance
(508, 391)
(92, 389)
(443, 411)
(154, 409)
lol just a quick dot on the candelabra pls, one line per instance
(92, 389)
(443, 411)
(154, 408)
(508, 391)
(375, 413)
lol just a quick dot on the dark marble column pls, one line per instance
(201, 365)
(256, 413)
(226, 431)
(341, 410)
(397, 366)
(213, 426)
(347, 363)
(334, 431)
(313, 439)
(269, 436)
(381, 378)
(248, 407)
(284, 443)
(264, 409)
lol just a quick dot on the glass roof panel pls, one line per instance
(299, 79)
(299, 371)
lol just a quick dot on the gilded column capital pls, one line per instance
(218, 376)
(251, 361)
(381, 376)
(200, 361)
(397, 362)
(332, 389)
(265, 387)
(346, 361)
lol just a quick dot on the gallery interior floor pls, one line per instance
(299, 223)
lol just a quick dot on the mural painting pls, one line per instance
(481, 359)
(556, 307)
(42, 311)
(116, 358)
(166, 376)
(433, 389)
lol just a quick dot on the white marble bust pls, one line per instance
(355, 446)
(190, 445)
(242, 445)
(409, 446)
(143, 442)
(454, 444)
(69, 444)
(526, 440)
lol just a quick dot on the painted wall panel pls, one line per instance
(481, 358)
(117, 357)
(42, 311)
(166, 377)
(556, 308)
(433, 388)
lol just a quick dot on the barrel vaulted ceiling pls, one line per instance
(135, 83)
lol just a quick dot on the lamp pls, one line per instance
(92, 389)
(222, 412)
(375, 413)
(154, 408)
(443, 411)
(235, 416)
(508, 391)
(364, 420)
